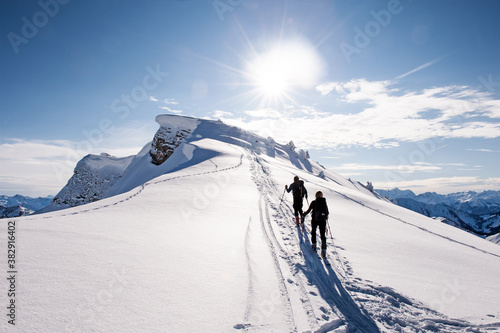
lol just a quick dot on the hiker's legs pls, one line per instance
(322, 232)
(297, 210)
(297, 207)
(314, 225)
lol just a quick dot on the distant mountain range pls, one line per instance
(476, 212)
(19, 205)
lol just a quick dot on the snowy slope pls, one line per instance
(494, 238)
(209, 246)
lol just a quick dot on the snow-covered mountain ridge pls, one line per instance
(475, 212)
(20, 205)
(25, 201)
(95, 176)
(205, 242)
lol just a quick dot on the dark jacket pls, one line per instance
(298, 188)
(315, 207)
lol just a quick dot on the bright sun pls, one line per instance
(284, 68)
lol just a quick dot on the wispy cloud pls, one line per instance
(42, 167)
(484, 150)
(402, 168)
(387, 116)
(427, 64)
(217, 114)
(164, 104)
(170, 101)
(443, 184)
(166, 108)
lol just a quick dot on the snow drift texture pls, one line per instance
(205, 242)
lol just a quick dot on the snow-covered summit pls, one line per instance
(92, 177)
(206, 242)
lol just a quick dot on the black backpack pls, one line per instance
(320, 210)
(298, 191)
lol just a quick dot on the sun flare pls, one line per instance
(283, 69)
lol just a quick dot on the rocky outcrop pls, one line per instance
(165, 141)
(92, 177)
(14, 211)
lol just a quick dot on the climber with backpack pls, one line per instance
(319, 218)
(299, 192)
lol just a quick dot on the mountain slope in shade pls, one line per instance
(25, 201)
(210, 246)
(478, 213)
(14, 211)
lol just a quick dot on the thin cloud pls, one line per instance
(427, 64)
(403, 168)
(484, 150)
(166, 108)
(42, 167)
(170, 101)
(218, 114)
(387, 116)
(443, 184)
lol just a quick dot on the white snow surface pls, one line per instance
(494, 238)
(204, 243)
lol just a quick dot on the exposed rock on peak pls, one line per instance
(172, 132)
(165, 141)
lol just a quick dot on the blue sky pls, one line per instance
(399, 93)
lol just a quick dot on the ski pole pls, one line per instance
(328, 223)
(281, 200)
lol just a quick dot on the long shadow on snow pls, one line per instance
(333, 292)
(199, 155)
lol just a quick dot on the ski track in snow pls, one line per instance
(250, 292)
(359, 304)
(303, 259)
(354, 303)
(285, 295)
(300, 264)
(399, 219)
